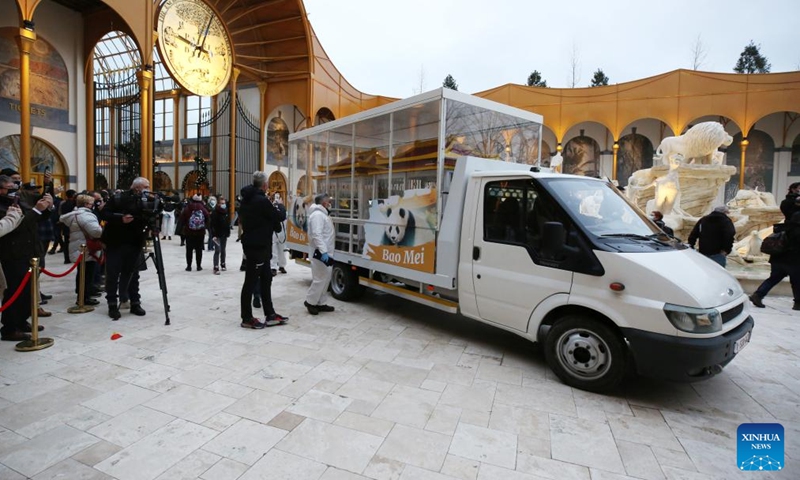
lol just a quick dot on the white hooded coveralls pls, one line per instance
(322, 237)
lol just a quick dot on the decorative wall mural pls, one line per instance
(192, 150)
(759, 163)
(49, 82)
(582, 156)
(635, 153)
(547, 154)
(162, 152)
(161, 182)
(277, 142)
(43, 156)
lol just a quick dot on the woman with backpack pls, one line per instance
(195, 219)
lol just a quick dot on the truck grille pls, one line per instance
(732, 313)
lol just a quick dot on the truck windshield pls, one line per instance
(600, 208)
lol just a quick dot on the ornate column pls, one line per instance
(744, 145)
(25, 41)
(262, 90)
(232, 179)
(91, 130)
(145, 78)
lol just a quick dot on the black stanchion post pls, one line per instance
(80, 307)
(35, 343)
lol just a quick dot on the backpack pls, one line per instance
(775, 244)
(197, 220)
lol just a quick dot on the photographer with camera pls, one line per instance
(17, 248)
(124, 236)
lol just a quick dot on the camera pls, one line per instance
(151, 205)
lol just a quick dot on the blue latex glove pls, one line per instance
(324, 257)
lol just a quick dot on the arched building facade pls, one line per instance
(84, 78)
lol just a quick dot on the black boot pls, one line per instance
(113, 311)
(137, 310)
(756, 299)
(796, 306)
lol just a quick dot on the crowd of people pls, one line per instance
(114, 227)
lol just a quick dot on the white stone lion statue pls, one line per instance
(699, 144)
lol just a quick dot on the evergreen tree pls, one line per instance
(450, 82)
(599, 78)
(751, 60)
(535, 80)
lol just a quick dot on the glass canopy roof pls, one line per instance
(116, 57)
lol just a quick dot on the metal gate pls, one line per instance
(248, 146)
(118, 139)
(213, 141)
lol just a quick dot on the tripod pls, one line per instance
(158, 261)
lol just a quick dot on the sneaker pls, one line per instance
(91, 301)
(28, 328)
(189, 268)
(223, 268)
(282, 270)
(253, 323)
(325, 308)
(113, 312)
(216, 271)
(199, 268)
(163, 238)
(256, 302)
(312, 309)
(45, 296)
(756, 299)
(275, 319)
(43, 313)
(137, 310)
(126, 305)
(274, 272)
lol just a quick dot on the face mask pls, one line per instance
(223, 206)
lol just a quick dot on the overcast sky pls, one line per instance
(387, 47)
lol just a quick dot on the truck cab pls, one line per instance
(568, 262)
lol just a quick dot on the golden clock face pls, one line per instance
(194, 46)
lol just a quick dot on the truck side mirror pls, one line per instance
(554, 238)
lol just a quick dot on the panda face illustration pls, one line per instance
(397, 223)
(299, 213)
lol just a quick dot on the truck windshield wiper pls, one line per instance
(636, 236)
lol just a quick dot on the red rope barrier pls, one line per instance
(18, 292)
(60, 275)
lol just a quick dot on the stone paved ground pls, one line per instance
(380, 389)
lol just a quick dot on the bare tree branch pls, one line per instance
(422, 84)
(575, 67)
(699, 53)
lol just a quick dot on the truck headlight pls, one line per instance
(694, 320)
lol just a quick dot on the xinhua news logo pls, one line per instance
(759, 447)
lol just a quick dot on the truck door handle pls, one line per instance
(476, 253)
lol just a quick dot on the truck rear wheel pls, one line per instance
(344, 283)
(585, 354)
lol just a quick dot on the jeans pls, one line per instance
(778, 272)
(219, 251)
(720, 258)
(257, 268)
(122, 273)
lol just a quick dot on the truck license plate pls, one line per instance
(741, 343)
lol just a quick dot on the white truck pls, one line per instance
(564, 260)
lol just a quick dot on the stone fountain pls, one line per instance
(688, 180)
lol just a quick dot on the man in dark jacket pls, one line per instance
(715, 232)
(784, 264)
(17, 248)
(258, 218)
(124, 236)
(791, 204)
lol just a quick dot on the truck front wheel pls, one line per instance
(585, 354)
(344, 283)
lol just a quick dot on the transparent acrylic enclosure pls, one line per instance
(384, 167)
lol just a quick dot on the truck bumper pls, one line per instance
(682, 359)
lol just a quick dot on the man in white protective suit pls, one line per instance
(278, 261)
(321, 237)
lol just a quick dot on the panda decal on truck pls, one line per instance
(401, 230)
(297, 226)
